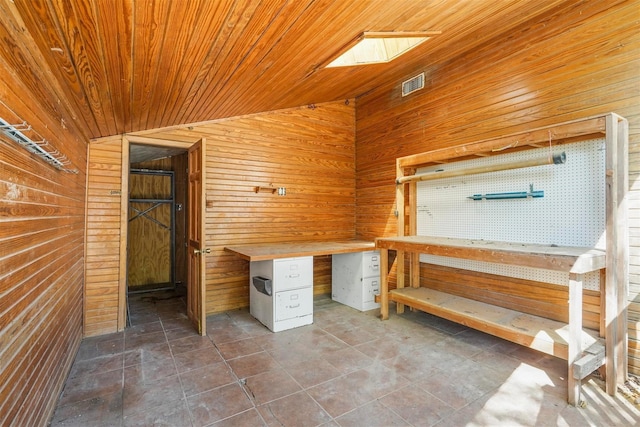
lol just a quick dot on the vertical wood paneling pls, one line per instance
(572, 63)
(104, 191)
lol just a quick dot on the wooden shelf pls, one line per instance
(539, 333)
(571, 259)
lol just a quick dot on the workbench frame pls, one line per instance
(613, 263)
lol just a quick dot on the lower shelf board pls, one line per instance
(539, 333)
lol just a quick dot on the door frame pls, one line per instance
(127, 140)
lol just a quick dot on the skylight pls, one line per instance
(379, 47)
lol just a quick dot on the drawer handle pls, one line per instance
(293, 276)
(375, 266)
(374, 258)
(295, 306)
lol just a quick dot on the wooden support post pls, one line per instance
(399, 278)
(575, 336)
(622, 250)
(400, 201)
(384, 284)
(414, 278)
(603, 302)
(616, 179)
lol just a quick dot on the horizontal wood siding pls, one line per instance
(572, 63)
(104, 187)
(41, 262)
(310, 151)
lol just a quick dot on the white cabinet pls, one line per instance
(356, 279)
(287, 299)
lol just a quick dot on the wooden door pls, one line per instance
(196, 247)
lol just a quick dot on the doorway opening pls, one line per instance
(157, 223)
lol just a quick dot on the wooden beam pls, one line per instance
(585, 127)
(135, 139)
(546, 160)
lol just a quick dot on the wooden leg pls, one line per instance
(575, 336)
(399, 278)
(415, 270)
(384, 284)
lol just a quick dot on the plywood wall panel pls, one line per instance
(572, 63)
(149, 242)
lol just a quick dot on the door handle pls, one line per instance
(203, 251)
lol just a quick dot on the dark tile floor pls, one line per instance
(347, 369)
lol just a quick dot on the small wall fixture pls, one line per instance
(510, 195)
(282, 191)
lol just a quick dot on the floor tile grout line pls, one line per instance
(240, 382)
(173, 360)
(302, 389)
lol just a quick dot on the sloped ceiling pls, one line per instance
(121, 66)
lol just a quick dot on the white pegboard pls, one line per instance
(571, 212)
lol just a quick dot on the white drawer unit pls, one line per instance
(281, 292)
(356, 279)
(297, 303)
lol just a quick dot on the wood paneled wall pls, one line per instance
(105, 268)
(308, 150)
(41, 262)
(573, 63)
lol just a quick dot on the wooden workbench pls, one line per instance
(265, 251)
(552, 337)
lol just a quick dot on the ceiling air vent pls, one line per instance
(413, 84)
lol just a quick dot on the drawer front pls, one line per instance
(292, 273)
(291, 304)
(371, 264)
(370, 288)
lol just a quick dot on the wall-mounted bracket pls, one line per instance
(40, 148)
(282, 191)
(271, 190)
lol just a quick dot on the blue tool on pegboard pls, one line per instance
(511, 195)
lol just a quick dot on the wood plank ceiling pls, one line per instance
(110, 67)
